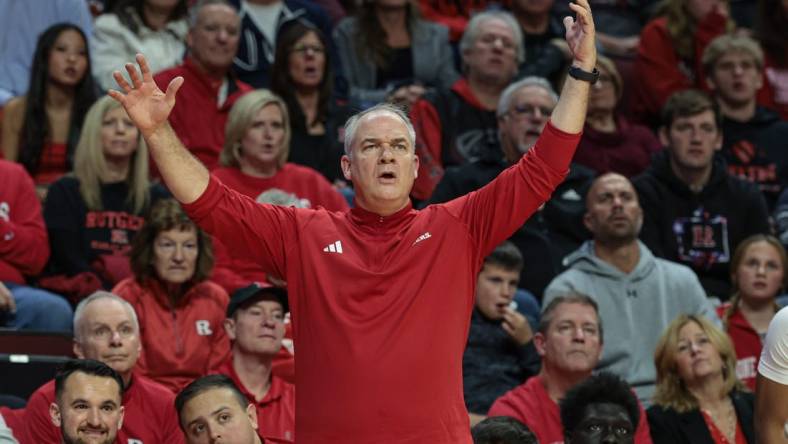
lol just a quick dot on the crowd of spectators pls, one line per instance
(663, 246)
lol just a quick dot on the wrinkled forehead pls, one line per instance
(610, 183)
(532, 95)
(574, 312)
(495, 26)
(381, 125)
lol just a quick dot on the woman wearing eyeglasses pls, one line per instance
(389, 53)
(611, 142)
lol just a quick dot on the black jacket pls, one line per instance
(670, 427)
(549, 235)
(700, 230)
(757, 150)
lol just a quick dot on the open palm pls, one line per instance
(146, 104)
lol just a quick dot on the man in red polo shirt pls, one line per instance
(255, 325)
(210, 88)
(106, 330)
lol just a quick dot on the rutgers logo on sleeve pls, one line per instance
(203, 328)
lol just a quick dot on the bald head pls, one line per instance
(613, 212)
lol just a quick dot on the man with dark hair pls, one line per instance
(255, 325)
(502, 430)
(210, 88)
(569, 341)
(106, 329)
(87, 405)
(212, 409)
(754, 137)
(695, 212)
(638, 294)
(499, 354)
(602, 409)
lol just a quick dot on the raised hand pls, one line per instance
(147, 106)
(580, 35)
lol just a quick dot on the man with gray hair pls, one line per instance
(211, 88)
(458, 125)
(381, 295)
(106, 329)
(523, 110)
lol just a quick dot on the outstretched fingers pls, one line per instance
(134, 75)
(121, 81)
(146, 75)
(583, 11)
(172, 89)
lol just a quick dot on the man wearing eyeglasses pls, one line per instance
(106, 330)
(255, 325)
(523, 110)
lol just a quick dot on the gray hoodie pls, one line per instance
(635, 308)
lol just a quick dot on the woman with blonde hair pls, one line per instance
(254, 161)
(758, 274)
(93, 213)
(670, 50)
(698, 398)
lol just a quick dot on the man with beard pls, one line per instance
(88, 403)
(569, 342)
(637, 294)
(106, 329)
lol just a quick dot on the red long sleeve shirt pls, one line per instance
(24, 248)
(181, 342)
(381, 305)
(149, 416)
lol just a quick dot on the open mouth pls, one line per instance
(387, 176)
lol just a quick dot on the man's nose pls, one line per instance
(94, 417)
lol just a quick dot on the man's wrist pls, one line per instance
(585, 75)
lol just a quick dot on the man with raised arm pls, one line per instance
(384, 292)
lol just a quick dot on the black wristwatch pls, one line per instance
(580, 74)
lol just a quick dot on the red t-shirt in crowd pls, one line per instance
(149, 415)
(381, 305)
(276, 411)
(183, 342)
(530, 404)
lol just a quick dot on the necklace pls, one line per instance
(725, 421)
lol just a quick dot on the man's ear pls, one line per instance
(539, 343)
(229, 328)
(77, 348)
(663, 136)
(415, 166)
(587, 221)
(54, 414)
(251, 412)
(121, 416)
(345, 164)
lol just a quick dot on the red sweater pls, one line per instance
(24, 248)
(306, 184)
(530, 404)
(747, 343)
(381, 305)
(183, 342)
(197, 117)
(276, 411)
(149, 416)
(659, 71)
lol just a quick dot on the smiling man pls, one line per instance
(637, 294)
(255, 325)
(87, 406)
(381, 296)
(106, 330)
